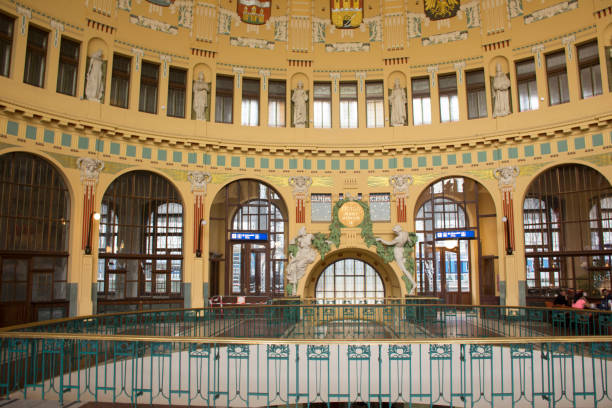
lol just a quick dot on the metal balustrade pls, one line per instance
(298, 354)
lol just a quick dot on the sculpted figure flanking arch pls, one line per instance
(399, 243)
(304, 256)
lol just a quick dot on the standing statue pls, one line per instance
(399, 242)
(200, 97)
(299, 99)
(93, 90)
(304, 256)
(398, 105)
(501, 89)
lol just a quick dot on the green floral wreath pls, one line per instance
(322, 241)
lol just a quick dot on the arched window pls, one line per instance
(445, 232)
(600, 217)
(109, 228)
(349, 281)
(567, 215)
(248, 223)
(34, 225)
(260, 215)
(541, 235)
(141, 244)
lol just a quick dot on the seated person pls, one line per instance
(582, 302)
(561, 299)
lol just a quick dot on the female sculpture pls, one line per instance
(200, 97)
(398, 105)
(299, 99)
(93, 90)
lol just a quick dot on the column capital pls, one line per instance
(506, 177)
(199, 181)
(90, 170)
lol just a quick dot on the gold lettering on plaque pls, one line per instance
(351, 214)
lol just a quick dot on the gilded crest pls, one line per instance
(254, 11)
(346, 13)
(441, 9)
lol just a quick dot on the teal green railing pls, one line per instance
(394, 321)
(298, 354)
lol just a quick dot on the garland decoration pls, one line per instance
(323, 242)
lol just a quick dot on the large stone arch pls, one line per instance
(390, 277)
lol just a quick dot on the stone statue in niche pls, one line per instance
(501, 93)
(399, 242)
(93, 89)
(300, 109)
(398, 105)
(305, 255)
(200, 97)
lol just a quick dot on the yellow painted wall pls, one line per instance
(338, 160)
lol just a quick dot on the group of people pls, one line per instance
(579, 300)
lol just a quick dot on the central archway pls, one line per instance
(351, 275)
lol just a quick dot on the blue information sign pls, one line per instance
(249, 236)
(469, 234)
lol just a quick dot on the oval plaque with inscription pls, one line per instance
(351, 214)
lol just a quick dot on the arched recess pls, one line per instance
(456, 252)
(389, 278)
(247, 240)
(34, 239)
(567, 222)
(140, 246)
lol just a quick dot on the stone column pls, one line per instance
(199, 180)
(507, 183)
(81, 300)
(512, 291)
(195, 287)
(90, 173)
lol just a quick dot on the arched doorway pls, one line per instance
(140, 252)
(34, 228)
(448, 222)
(567, 219)
(349, 281)
(248, 240)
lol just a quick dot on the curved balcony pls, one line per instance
(268, 355)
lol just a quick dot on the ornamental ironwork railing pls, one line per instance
(294, 354)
